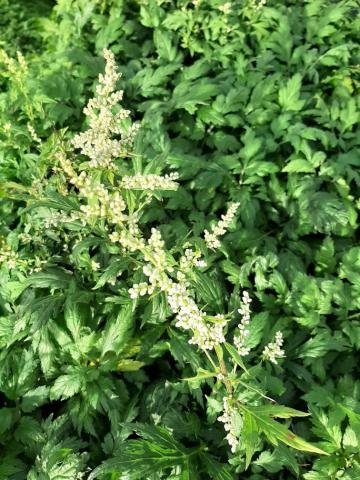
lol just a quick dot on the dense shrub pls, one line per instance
(238, 103)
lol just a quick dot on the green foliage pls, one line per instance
(250, 103)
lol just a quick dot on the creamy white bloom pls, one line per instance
(240, 338)
(207, 331)
(225, 8)
(8, 256)
(273, 350)
(33, 133)
(212, 238)
(258, 4)
(228, 419)
(95, 265)
(140, 289)
(105, 121)
(150, 182)
(191, 259)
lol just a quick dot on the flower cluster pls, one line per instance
(191, 259)
(273, 350)
(33, 134)
(211, 238)
(57, 218)
(130, 238)
(228, 419)
(225, 8)
(16, 68)
(240, 338)
(258, 4)
(150, 182)
(97, 142)
(12, 261)
(207, 331)
(8, 257)
(100, 201)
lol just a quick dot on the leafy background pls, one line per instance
(258, 105)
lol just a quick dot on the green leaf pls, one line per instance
(275, 431)
(49, 278)
(322, 343)
(188, 95)
(214, 469)
(289, 95)
(73, 317)
(68, 385)
(56, 201)
(279, 411)
(115, 267)
(235, 356)
(157, 450)
(163, 44)
(251, 147)
(7, 416)
(210, 291)
(118, 330)
(298, 165)
(249, 437)
(34, 398)
(200, 376)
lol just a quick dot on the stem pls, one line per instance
(211, 360)
(223, 369)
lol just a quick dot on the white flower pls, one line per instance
(33, 133)
(191, 259)
(258, 4)
(139, 289)
(97, 142)
(229, 421)
(94, 265)
(225, 8)
(207, 331)
(240, 338)
(150, 182)
(211, 238)
(273, 350)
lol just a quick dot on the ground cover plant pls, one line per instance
(179, 261)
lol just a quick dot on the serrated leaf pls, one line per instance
(289, 95)
(214, 469)
(157, 450)
(298, 165)
(118, 330)
(34, 398)
(235, 356)
(275, 432)
(49, 278)
(163, 43)
(56, 201)
(68, 385)
(249, 437)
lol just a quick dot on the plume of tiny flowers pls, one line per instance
(258, 4)
(211, 238)
(150, 182)
(225, 8)
(228, 419)
(207, 331)
(191, 259)
(240, 338)
(273, 350)
(33, 134)
(8, 256)
(97, 142)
